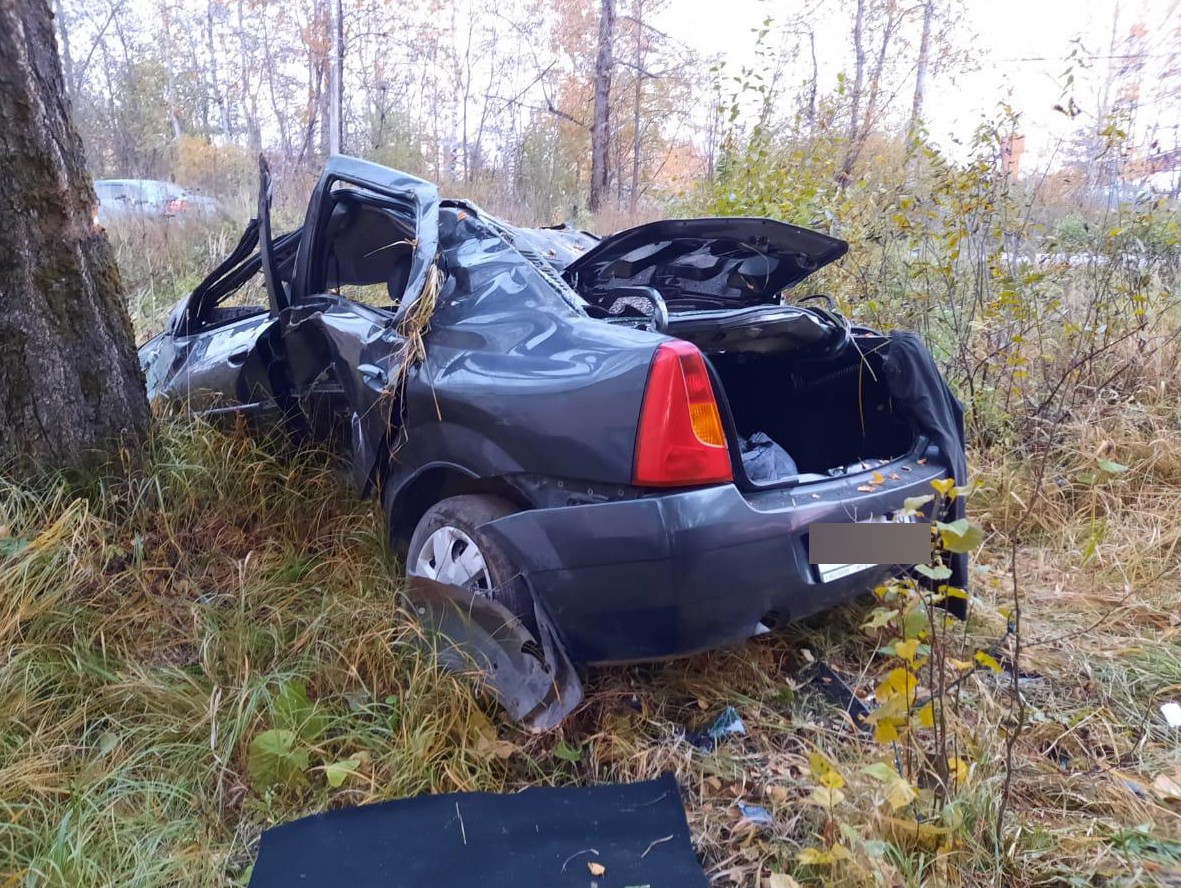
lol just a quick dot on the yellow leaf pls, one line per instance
(879, 618)
(879, 478)
(821, 765)
(824, 797)
(814, 857)
(945, 487)
(959, 770)
(988, 660)
(820, 857)
(880, 771)
(912, 834)
(831, 779)
(885, 731)
(906, 649)
(899, 793)
(926, 716)
(899, 682)
(596, 869)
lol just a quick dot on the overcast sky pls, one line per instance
(1022, 47)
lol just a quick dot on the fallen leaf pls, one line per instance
(820, 857)
(988, 660)
(865, 488)
(879, 478)
(596, 869)
(780, 880)
(504, 749)
(1168, 786)
(912, 834)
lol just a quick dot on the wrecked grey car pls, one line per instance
(621, 442)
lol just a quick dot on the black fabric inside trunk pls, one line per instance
(823, 413)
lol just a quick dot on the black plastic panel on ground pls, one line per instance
(537, 838)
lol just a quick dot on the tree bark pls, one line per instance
(920, 73)
(219, 97)
(846, 171)
(249, 96)
(336, 81)
(639, 61)
(70, 381)
(601, 125)
(67, 59)
(170, 75)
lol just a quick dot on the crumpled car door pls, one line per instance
(360, 347)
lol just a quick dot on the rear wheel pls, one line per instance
(447, 547)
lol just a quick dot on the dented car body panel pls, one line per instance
(528, 383)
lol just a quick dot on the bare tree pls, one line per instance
(855, 93)
(601, 124)
(920, 72)
(336, 81)
(70, 382)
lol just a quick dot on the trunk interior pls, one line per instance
(827, 414)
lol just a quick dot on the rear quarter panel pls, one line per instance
(516, 379)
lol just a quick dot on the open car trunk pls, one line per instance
(806, 395)
(798, 414)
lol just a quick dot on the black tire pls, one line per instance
(467, 513)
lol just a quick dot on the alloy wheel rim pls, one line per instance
(451, 556)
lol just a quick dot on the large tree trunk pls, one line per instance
(70, 382)
(601, 125)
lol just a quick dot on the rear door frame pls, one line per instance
(362, 345)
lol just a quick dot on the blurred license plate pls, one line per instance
(830, 572)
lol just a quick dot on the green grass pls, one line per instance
(155, 624)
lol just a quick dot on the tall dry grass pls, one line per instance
(151, 621)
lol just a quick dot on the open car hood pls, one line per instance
(706, 263)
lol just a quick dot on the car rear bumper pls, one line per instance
(674, 574)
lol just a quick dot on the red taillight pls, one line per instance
(681, 441)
